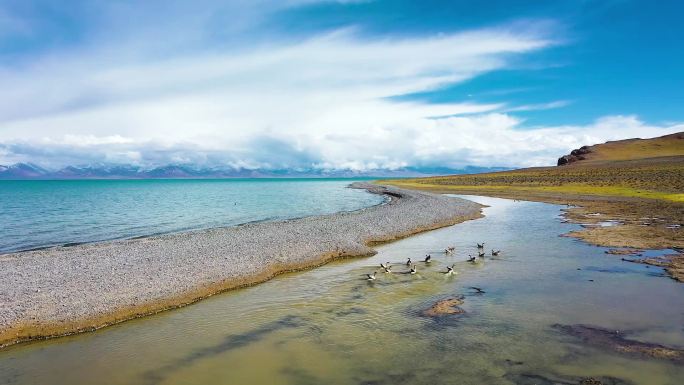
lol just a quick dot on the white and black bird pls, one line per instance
(480, 245)
(388, 269)
(384, 265)
(371, 277)
(408, 263)
(450, 270)
(413, 270)
(481, 254)
(471, 259)
(427, 259)
(495, 252)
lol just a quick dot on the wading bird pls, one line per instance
(384, 265)
(371, 277)
(408, 263)
(413, 270)
(471, 259)
(477, 290)
(450, 270)
(481, 254)
(388, 269)
(495, 252)
(427, 258)
(480, 245)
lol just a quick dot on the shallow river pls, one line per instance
(331, 326)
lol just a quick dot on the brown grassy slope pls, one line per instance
(668, 145)
(657, 178)
(638, 182)
(633, 168)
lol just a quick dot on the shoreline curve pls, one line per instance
(61, 291)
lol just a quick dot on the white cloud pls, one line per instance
(325, 99)
(540, 106)
(323, 102)
(496, 139)
(489, 139)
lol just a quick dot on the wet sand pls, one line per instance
(65, 290)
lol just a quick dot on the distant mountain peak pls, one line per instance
(180, 171)
(22, 171)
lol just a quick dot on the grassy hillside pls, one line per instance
(637, 168)
(664, 146)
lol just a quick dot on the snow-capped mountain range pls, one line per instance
(32, 171)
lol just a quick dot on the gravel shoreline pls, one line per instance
(65, 290)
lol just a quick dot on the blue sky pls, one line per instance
(333, 84)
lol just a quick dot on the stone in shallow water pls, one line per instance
(636, 252)
(615, 340)
(553, 379)
(449, 306)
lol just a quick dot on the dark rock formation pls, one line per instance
(574, 156)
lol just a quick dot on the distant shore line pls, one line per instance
(60, 291)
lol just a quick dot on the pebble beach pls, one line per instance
(65, 290)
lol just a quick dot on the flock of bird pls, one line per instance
(387, 267)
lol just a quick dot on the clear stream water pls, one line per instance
(46, 213)
(330, 326)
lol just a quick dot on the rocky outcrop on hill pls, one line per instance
(574, 156)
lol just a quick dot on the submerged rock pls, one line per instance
(590, 381)
(449, 306)
(554, 379)
(510, 362)
(615, 340)
(636, 252)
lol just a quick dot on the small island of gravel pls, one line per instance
(64, 290)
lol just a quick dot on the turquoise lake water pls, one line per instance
(36, 214)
